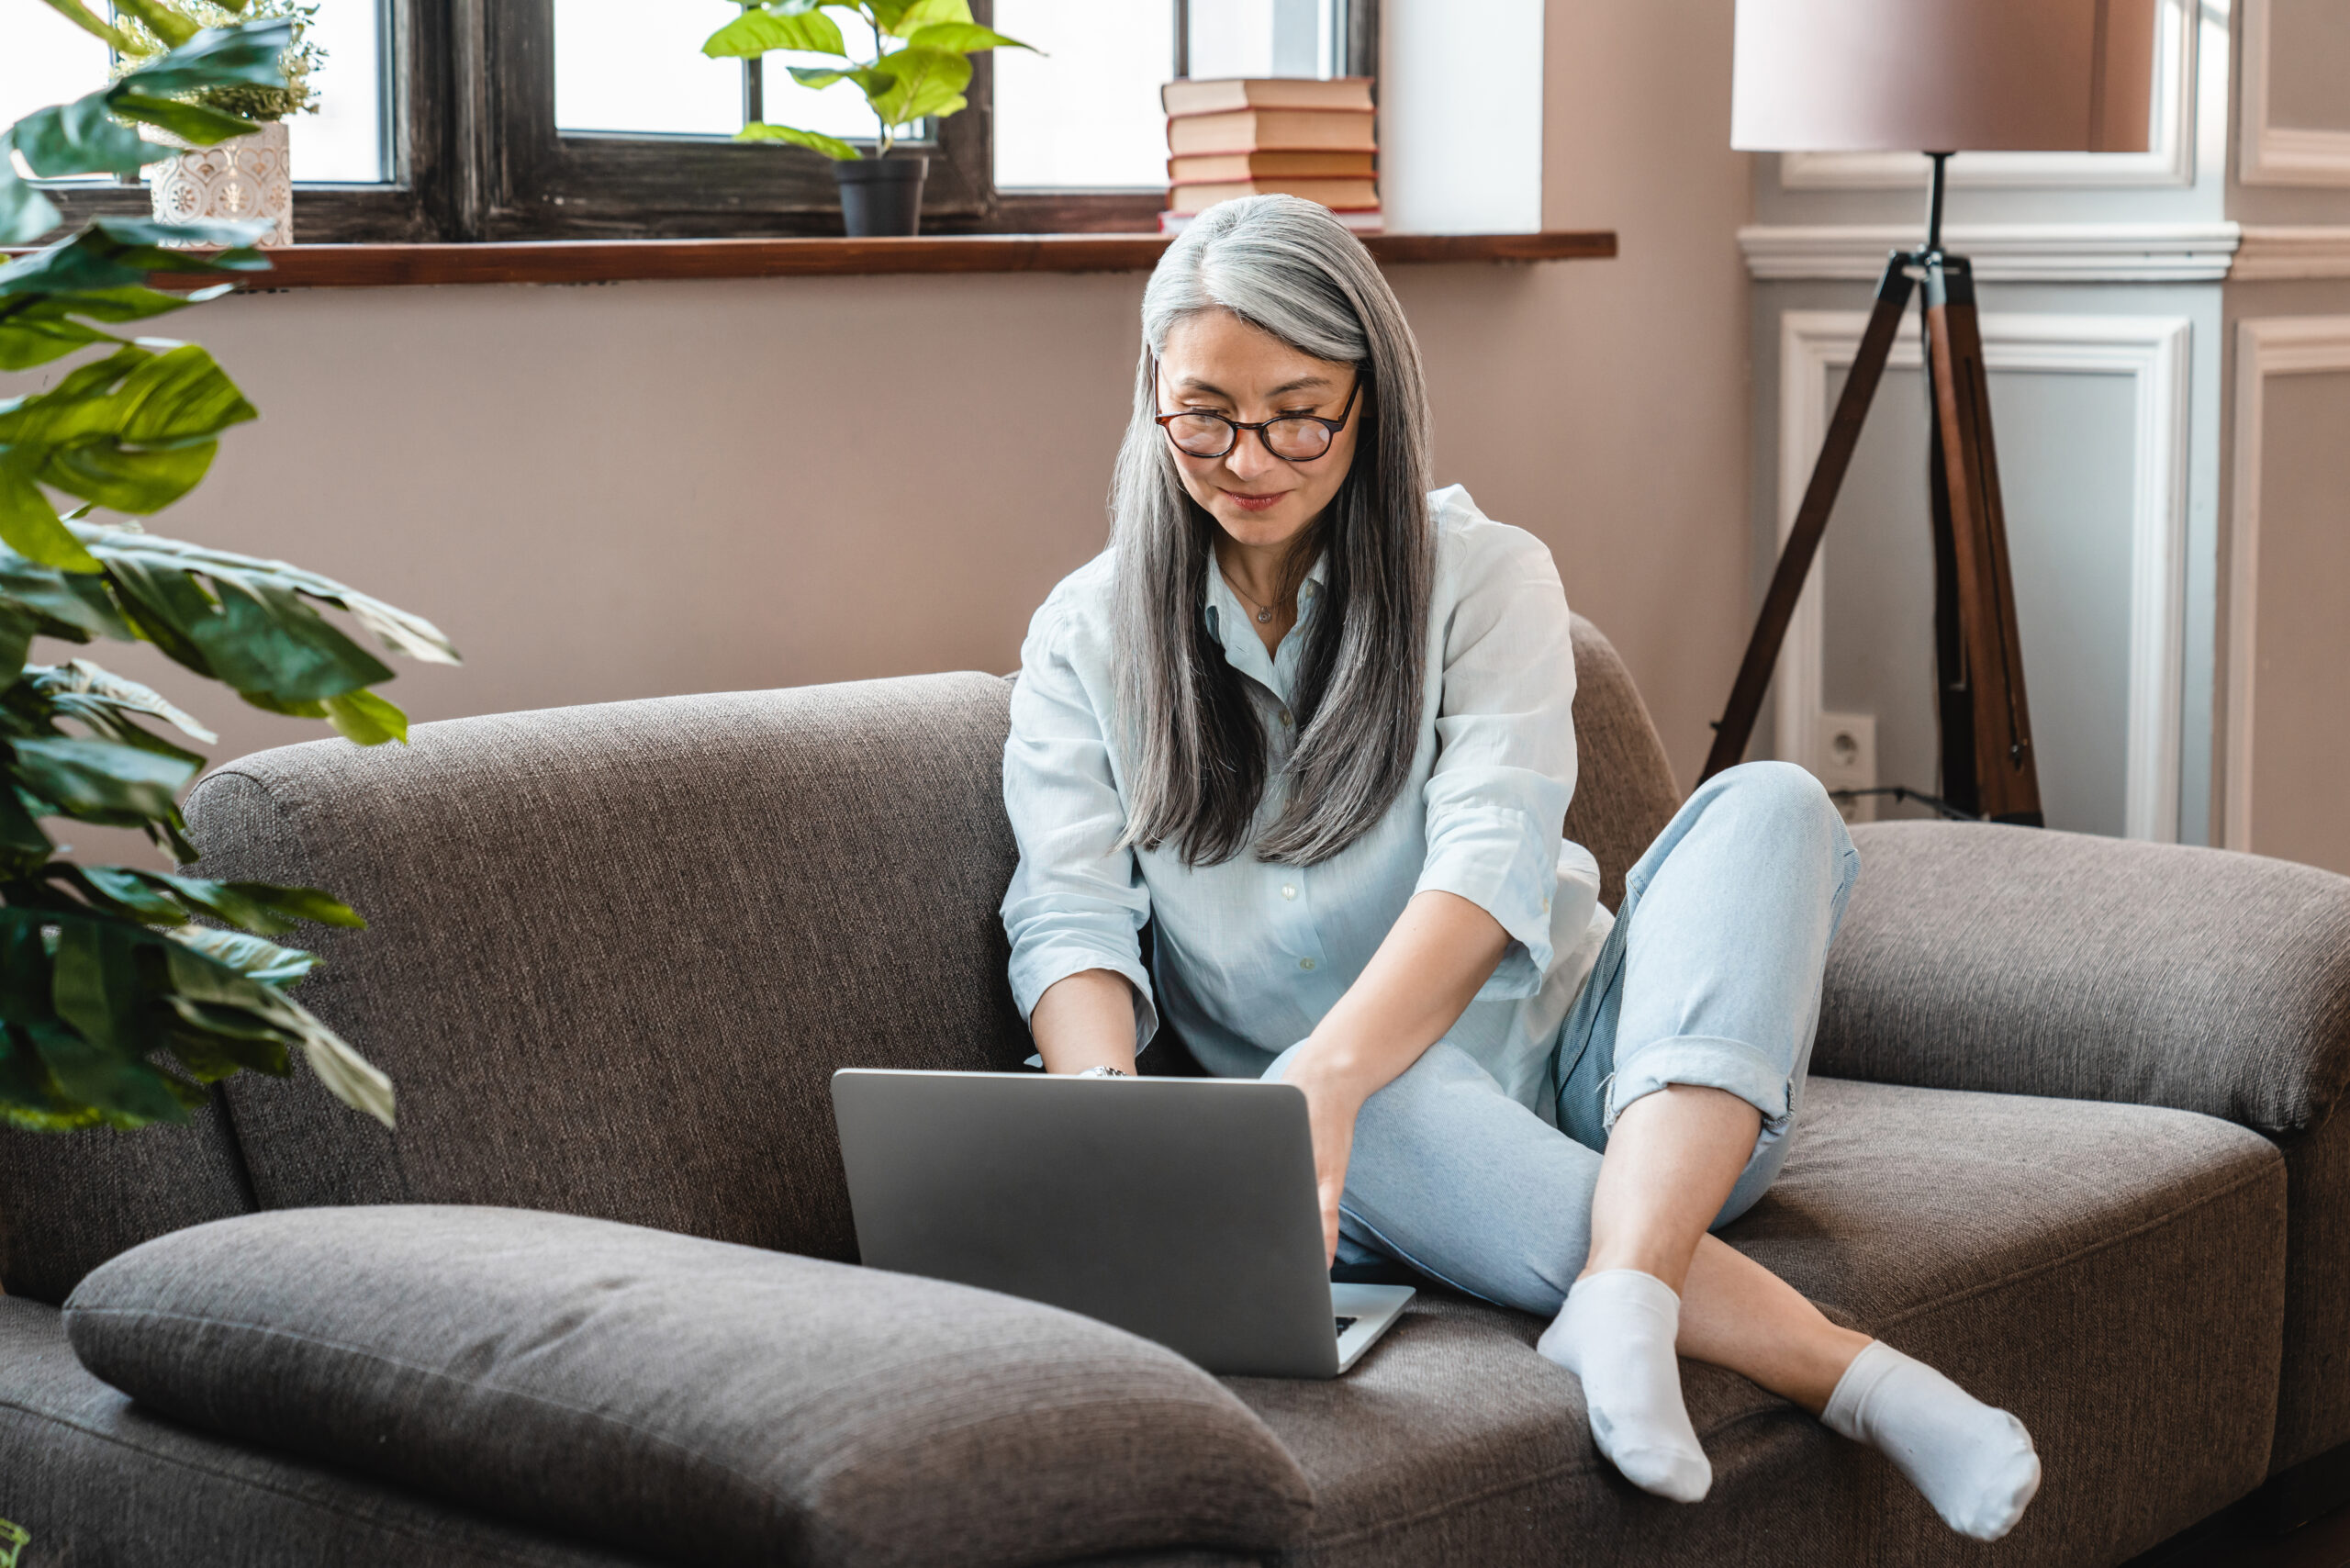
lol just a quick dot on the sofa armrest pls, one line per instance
(693, 1400)
(2029, 962)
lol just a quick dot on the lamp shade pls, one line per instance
(1943, 75)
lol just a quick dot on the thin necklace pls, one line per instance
(1264, 613)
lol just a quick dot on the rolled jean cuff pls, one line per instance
(1701, 1061)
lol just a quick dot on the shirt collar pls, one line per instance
(1247, 653)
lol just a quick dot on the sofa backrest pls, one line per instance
(1624, 791)
(616, 952)
(70, 1201)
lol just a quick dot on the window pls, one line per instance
(1085, 113)
(48, 60)
(344, 142)
(601, 119)
(1267, 37)
(51, 61)
(620, 69)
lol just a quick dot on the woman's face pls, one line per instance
(1215, 363)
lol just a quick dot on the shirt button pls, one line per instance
(1305, 963)
(1289, 890)
(1285, 718)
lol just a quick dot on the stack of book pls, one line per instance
(1271, 136)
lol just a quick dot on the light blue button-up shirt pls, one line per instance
(1249, 954)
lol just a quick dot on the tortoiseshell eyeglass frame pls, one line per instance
(1330, 428)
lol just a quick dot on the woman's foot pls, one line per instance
(1617, 1332)
(1973, 1463)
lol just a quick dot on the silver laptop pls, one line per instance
(1181, 1209)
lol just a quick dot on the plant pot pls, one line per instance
(244, 178)
(882, 195)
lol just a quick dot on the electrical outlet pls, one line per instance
(1847, 761)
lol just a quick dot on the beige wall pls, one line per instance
(2301, 744)
(642, 488)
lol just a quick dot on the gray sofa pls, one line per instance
(2070, 1138)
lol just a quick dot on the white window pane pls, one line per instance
(45, 60)
(1264, 38)
(1085, 113)
(626, 65)
(343, 143)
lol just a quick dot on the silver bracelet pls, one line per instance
(1104, 1072)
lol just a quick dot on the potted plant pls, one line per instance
(246, 176)
(920, 65)
(118, 1008)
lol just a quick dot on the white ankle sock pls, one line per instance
(1616, 1333)
(1974, 1464)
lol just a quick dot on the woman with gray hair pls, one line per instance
(1315, 723)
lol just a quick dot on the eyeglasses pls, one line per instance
(1293, 438)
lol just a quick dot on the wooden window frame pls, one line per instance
(473, 154)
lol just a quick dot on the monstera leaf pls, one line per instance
(106, 977)
(118, 1008)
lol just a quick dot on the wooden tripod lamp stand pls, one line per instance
(1938, 76)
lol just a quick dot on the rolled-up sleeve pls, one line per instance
(1497, 800)
(1075, 901)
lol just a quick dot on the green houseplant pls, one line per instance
(116, 1008)
(920, 64)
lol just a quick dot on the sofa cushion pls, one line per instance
(2110, 1273)
(615, 952)
(684, 1398)
(99, 1482)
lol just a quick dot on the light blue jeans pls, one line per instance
(1712, 977)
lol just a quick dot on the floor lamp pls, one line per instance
(1938, 76)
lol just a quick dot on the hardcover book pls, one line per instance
(1210, 97)
(1338, 195)
(1306, 165)
(1257, 131)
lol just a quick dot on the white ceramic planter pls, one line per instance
(245, 178)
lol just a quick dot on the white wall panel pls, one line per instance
(2091, 420)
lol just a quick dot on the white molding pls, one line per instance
(2153, 350)
(2170, 161)
(2274, 154)
(2275, 345)
(2270, 252)
(2002, 252)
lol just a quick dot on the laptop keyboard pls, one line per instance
(1344, 1323)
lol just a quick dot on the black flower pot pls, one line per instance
(882, 195)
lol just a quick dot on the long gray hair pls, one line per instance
(1197, 748)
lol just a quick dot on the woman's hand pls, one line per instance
(1431, 963)
(1334, 1095)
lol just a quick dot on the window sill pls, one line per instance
(618, 261)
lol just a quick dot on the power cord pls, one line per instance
(1903, 793)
